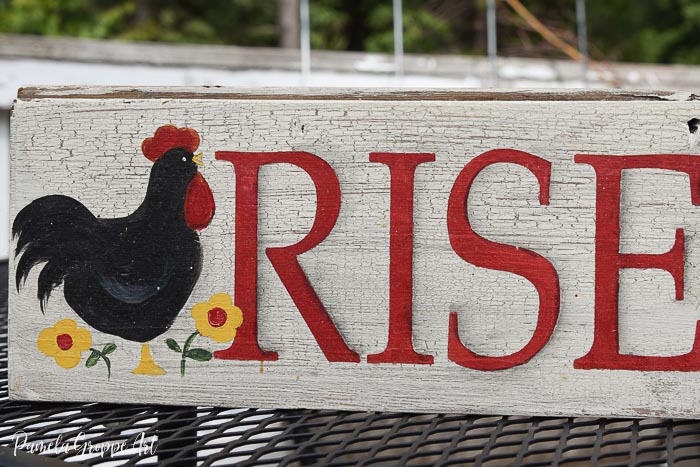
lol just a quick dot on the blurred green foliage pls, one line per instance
(658, 31)
(243, 22)
(662, 31)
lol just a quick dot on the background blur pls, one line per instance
(431, 43)
(652, 31)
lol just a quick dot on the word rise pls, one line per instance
(604, 353)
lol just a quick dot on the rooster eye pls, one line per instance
(184, 159)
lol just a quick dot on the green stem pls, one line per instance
(185, 348)
(107, 362)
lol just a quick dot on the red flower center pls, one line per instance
(64, 341)
(217, 317)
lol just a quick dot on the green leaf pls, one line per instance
(189, 340)
(172, 345)
(109, 367)
(92, 359)
(201, 355)
(108, 349)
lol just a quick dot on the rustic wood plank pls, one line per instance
(472, 71)
(214, 92)
(85, 143)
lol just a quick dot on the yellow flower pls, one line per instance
(218, 318)
(64, 341)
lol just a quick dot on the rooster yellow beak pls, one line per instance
(197, 159)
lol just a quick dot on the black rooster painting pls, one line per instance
(128, 276)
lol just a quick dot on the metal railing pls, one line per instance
(491, 32)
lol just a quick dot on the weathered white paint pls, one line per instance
(88, 148)
(4, 182)
(32, 60)
(15, 73)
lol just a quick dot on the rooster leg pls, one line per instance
(147, 366)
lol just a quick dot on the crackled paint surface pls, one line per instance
(87, 148)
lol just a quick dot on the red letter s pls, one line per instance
(484, 253)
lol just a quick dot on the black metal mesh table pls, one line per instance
(189, 436)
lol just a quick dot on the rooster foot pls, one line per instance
(147, 366)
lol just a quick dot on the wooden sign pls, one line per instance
(424, 251)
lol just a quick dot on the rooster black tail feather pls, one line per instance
(50, 277)
(32, 256)
(56, 230)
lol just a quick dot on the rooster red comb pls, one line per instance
(169, 137)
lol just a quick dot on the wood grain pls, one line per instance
(84, 143)
(215, 92)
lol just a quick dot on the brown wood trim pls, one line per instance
(209, 92)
